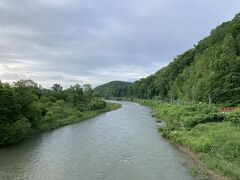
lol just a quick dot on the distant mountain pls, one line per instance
(209, 71)
(108, 89)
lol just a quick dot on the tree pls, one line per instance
(57, 88)
(221, 78)
(25, 83)
(87, 89)
(10, 107)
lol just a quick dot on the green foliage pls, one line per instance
(75, 96)
(59, 114)
(15, 131)
(57, 88)
(187, 116)
(108, 90)
(26, 108)
(234, 117)
(208, 72)
(213, 135)
(96, 104)
(218, 145)
(10, 108)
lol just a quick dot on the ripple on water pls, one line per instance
(119, 145)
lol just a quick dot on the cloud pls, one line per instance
(87, 41)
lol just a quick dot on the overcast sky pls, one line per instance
(96, 41)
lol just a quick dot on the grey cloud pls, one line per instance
(90, 41)
(12, 76)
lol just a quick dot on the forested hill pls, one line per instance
(210, 70)
(106, 90)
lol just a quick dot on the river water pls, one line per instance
(118, 145)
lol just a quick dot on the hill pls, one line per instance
(208, 72)
(107, 90)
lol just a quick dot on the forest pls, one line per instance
(209, 72)
(27, 108)
(107, 90)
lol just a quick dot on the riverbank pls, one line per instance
(200, 130)
(58, 115)
(75, 117)
(200, 169)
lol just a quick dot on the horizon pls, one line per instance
(81, 42)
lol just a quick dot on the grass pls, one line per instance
(211, 135)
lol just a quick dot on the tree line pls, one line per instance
(209, 72)
(26, 108)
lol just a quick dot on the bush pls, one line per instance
(96, 104)
(186, 116)
(234, 117)
(14, 132)
(190, 122)
(59, 114)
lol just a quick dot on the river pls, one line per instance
(118, 145)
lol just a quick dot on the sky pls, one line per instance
(97, 41)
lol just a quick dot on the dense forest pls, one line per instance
(108, 89)
(208, 72)
(26, 108)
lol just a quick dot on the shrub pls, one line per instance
(203, 118)
(14, 132)
(234, 117)
(96, 104)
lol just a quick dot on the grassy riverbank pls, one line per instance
(213, 136)
(64, 115)
(202, 129)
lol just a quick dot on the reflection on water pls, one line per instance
(119, 145)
